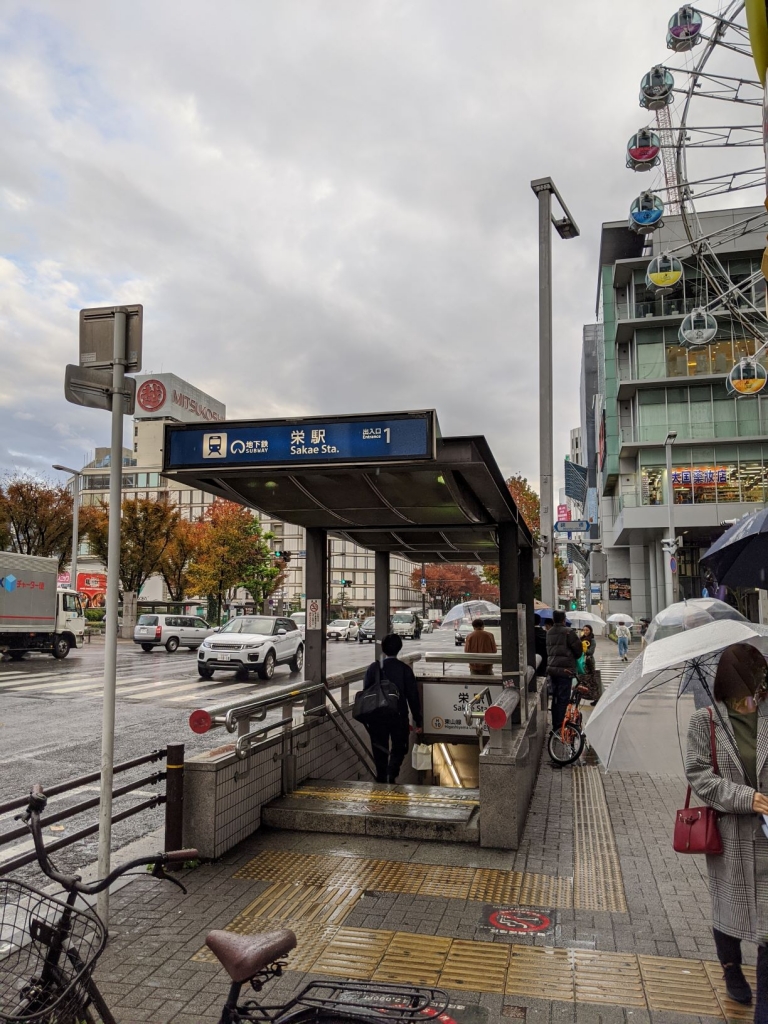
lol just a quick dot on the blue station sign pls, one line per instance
(353, 439)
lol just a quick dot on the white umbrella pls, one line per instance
(688, 615)
(585, 619)
(619, 618)
(470, 610)
(641, 722)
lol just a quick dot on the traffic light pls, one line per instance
(278, 554)
(286, 556)
(573, 605)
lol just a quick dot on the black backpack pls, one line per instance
(382, 700)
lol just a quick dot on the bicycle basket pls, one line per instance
(47, 954)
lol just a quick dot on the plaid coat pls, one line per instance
(738, 877)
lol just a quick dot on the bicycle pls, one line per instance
(49, 949)
(566, 745)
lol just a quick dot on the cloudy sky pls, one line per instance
(324, 205)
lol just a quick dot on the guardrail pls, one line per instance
(173, 774)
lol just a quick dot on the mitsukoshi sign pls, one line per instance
(166, 396)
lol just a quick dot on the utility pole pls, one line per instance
(75, 474)
(544, 189)
(113, 597)
(671, 577)
(423, 591)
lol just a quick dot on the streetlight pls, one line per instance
(75, 474)
(544, 189)
(670, 544)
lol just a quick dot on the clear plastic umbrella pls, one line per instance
(688, 615)
(641, 722)
(586, 619)
(470, 610)
(619, 618)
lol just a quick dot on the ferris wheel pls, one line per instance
(705, 140)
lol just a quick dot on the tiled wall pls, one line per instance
(223, 795)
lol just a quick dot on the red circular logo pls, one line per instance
(519, 922)
(151, 395)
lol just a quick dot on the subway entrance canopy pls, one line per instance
(387, 481)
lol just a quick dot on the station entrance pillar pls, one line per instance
(316, 590)
(382, 598)
(509, 590)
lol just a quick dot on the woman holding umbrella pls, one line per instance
(734, 782)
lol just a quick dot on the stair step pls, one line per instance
(368, 808)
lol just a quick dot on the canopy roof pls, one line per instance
(444, 507)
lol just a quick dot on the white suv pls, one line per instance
(252, 643)
(342, 629)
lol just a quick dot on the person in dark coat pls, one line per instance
(738, 877)
(389, 733)
(540, 644)
(563, 651)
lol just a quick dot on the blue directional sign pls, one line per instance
(376, 438)
(572, 526)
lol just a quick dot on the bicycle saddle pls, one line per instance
(243, 956)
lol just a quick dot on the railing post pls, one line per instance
(174, 797)
(288, 770)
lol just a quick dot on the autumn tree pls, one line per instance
(448, 584)
(177, 557)
(148, 527)
(232, 552)
(36, 518)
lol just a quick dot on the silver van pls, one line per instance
(170, 631)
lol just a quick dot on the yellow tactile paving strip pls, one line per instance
(485, 885)
(539, 972)
(597, 880)
(374, 795)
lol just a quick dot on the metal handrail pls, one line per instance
(229, 715)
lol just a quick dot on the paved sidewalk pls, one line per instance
(594, 920)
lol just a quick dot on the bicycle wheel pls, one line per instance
(565, 745)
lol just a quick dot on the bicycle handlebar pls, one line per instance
(72, 883)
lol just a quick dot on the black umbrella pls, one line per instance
(740, 557)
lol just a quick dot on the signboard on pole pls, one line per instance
(339, 439)
(563, 512)
(97, 331)
(571, 526)
(444, 708)
(314, 613)
(93, 389)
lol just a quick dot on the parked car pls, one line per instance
(170, 632)
(427, 626)
(462, 632)
(407, 624)
(300, 618)
(367, 632)
(342, 629)
(252, 643)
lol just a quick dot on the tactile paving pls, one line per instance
(545, 891)
(415, 959)
(542, 972)
(311, 940)
(731, 1010)
(602, 977)
(353, 953)
(475, 966)
(374, 795)
(678, 985)
(287, 901)
(597, 883)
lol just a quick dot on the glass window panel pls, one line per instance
(154, 479)
(682, 476)
(699, 360)
(701, 412)
(724, 414)
(743, 347)
(677, 361)
(652, 484)
(141, 479)
(704, 483)
(727, 482)
(748, 417)
(678, 417)
(651, 361)
(721, 355)
(752, 480)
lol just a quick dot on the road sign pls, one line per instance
(93, 388)
(97, 337)
(572, 526)
(563, 512)
(339, 439)
(673, 564)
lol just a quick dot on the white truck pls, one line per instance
(35, 615)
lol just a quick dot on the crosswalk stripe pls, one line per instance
(224, 690)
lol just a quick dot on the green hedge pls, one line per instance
(94, 614)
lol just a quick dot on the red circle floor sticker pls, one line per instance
(517, 921)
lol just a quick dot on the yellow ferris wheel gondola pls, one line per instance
(663, 274)
(748, 377)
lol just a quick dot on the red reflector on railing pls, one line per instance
(200, 721)
(495, 717)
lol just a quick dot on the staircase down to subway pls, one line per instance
(392, 484)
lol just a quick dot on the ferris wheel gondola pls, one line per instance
(645, 213)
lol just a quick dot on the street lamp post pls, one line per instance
(544, 189)
(75, 474)
(670, 544)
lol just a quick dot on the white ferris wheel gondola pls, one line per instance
(698, 328)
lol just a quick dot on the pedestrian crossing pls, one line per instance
(174, 689)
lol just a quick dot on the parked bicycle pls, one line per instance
(566, 745)
(49, 948)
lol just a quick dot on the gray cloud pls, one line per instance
(324, 206)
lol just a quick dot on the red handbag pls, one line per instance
(696, 828)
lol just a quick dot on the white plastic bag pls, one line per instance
(421, 757)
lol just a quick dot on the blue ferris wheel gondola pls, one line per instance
(645, 213)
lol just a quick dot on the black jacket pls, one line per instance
(540, 647)
(563, 650)
(402, 676)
